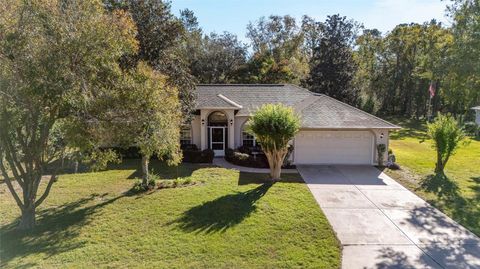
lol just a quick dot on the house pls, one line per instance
(331, 132)
(477, 114)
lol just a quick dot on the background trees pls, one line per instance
(332, 67)
(277, 51)
(462, 81)
(384, 73)
(160, 36)
(218, 59)
(395, 70)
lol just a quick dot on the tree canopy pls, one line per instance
(446, 134)
(63, 85)
(160, 35)
(332, 67)
(274, 125)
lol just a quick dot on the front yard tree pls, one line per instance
(274, 125)
(446, 135)
(58, 64)
(155, 117)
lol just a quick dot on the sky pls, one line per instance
(234, 15)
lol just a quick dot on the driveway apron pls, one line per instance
(381, 224)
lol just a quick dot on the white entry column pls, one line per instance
(203, 129)
(231, 129)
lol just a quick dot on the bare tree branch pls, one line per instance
(9, 183)
(47, 190)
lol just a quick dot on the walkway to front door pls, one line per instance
(381, 224)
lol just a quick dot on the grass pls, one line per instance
(416, 156)
(232, 220)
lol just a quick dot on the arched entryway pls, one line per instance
(217, 132)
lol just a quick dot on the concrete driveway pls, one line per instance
(381, 224)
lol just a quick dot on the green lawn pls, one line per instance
(416, 156)
(232, 220)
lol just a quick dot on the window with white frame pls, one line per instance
(248, 140)
(185, 136)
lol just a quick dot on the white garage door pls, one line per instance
(333, 147)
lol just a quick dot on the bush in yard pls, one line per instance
(228, 153)
(243, 159)
(240, 156)
(471, 128)
(273, 126)
(208, 155)
(188, 147)
(198, 156)
(446, 134)
(138, 186)
(245, 149)
(381, 148)
(178, 182)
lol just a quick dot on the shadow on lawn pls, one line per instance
(162, 169)
(258, 178)
(156, 166)
(55, 230)
(410, 128)
(450, 245)
(222, 213)
(464, 210)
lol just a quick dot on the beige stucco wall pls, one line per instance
(239, 122)
(379, 140)
(196, 130)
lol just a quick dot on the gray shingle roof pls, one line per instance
(316, 110)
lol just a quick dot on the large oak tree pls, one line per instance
(60, 80)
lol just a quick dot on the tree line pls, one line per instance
(386, 73)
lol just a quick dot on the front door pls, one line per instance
(217, 140)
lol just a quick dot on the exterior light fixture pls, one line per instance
(231, 121)
(381, 136)
(203, 121)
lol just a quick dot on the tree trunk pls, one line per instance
(439, 166)
(145, 161)
(27, 220)
(277, 170)
(75, 167)
(275, 161)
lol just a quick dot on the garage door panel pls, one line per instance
(334, 147)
